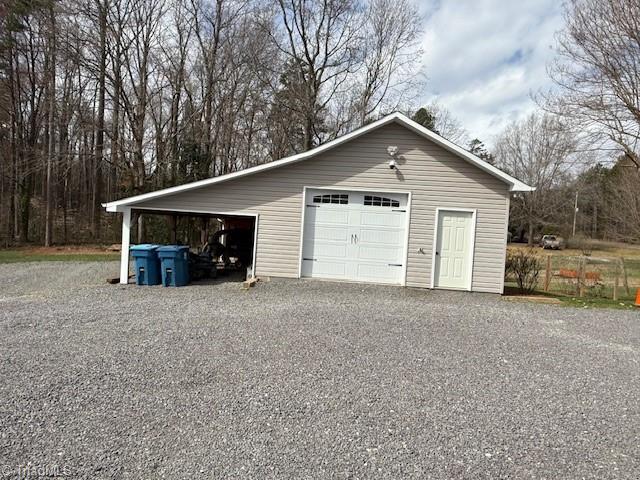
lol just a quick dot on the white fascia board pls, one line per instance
(515, 185)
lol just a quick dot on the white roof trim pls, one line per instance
(515, 184)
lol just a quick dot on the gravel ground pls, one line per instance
(302, 379)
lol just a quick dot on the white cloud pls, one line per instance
(484, 58)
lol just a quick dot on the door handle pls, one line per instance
(356, 237)
(437, 253)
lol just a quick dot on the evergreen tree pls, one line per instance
(426, 118)
(478, 148)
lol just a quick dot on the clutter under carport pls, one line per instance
(176, 265)
(229, 250)
(170, 265)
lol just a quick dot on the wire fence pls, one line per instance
(587, 276)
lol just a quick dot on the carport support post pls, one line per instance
(124, 251)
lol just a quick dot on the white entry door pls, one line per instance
(454, 249)
(356, 236)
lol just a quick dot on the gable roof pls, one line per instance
(515, 185)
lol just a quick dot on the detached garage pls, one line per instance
(389, 203)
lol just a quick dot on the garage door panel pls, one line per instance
(384, 237)
(327, 215)
(329, 233)
(325, 269)
(325, 249)
(384, 255)
(373, 273)
(383, 219)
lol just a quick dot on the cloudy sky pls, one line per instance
(484, 58)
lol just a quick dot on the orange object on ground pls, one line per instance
(564, 273)
(568, 273)
(638, 297)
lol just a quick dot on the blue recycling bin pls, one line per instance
(147, 264)
(174, 260)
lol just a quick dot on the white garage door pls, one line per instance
(357, 236)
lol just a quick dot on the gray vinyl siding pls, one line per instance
(434, 176)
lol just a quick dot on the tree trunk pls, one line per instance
(48, 230)
(13, 208)
(115, 127)
(97, 208)
(308, 133)
(141, 233)
(25, 193)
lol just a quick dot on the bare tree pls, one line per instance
(598, 73)
(390, 56)
(321, 40)
(51, 93)
(539, 151)
(102, 8)
(438, 119)
(447, 125)
(623, 213)
(140, 67)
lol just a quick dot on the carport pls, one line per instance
(129, 212)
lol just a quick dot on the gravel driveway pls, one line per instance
(302, 379)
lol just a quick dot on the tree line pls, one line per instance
(101, 99)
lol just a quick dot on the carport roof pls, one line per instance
(515, 185)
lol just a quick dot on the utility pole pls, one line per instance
(575, 215)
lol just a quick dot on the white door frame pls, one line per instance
(126, 224)
(367, 190)
(473, 212)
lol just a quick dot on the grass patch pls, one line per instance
(65, 255)
(623, 304)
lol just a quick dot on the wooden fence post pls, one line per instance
(616, 282)
(624, 276)
(581, 276)
(547, 275)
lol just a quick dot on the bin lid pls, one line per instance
(144, 247)
(173, 248)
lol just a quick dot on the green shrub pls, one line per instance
(524, 266)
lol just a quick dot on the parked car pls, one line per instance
(550, 242)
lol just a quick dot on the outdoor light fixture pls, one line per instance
(392, 150)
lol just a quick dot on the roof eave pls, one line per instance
(522, 188)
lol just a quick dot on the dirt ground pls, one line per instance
(69, 249)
